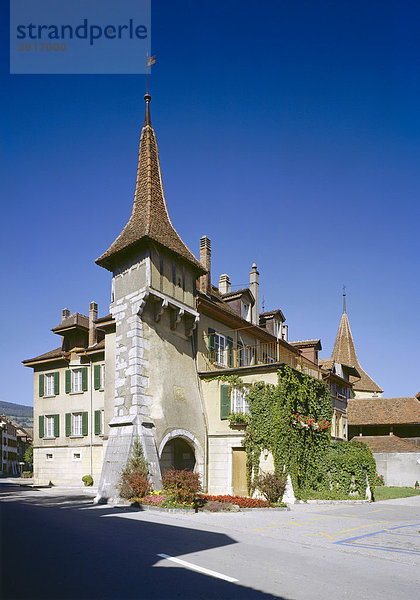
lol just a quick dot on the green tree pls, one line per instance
(28, 457)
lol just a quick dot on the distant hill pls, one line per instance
(20, 414)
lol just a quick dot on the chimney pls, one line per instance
(205, 259)
(285, 332)
(65, 313)
(224, 284)
(254, 286)
(93, 315)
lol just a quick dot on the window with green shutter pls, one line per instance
(56, 383)
(97, 377)
(68, 381)
(68, 424)
(56, 425)
(84, 423)
(41, 385)
(98, 422)
(84, 379)
(224, 401)
(41, 427)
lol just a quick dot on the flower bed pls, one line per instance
(241, 501)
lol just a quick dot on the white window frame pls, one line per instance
(220, 350)
(245, 310)
(49, 385)
(49, 426)
(102, 429)
(76, 424)
(76, 381)
(239, 401)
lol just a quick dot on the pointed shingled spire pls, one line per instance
(149, 219)
(344, 352)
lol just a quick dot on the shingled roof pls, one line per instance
(386, 443)
(344, 352)
(149, 218)
(383, 411)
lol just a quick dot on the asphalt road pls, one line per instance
(56, 544)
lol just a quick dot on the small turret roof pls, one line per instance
(149, 219)
(344, 352)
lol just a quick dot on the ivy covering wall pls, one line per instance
(292, 420)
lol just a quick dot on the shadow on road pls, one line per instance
(55, 547)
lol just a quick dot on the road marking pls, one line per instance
(189, 565)
(319, 533)
(268, 527)
(321, 518)
(360, 527)
(297, 524)
(351, 541)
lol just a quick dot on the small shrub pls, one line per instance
(26, 474)
(87, 480)
(214, 506)
(134, 485)
(181, 486)
(416, 485)
(271, 486)
(379, 480)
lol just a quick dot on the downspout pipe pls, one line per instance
(203, 412)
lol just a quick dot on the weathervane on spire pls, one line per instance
(150, 60)
(344, 298)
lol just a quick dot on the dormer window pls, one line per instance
(245, 310)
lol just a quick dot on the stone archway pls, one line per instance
(179, 449)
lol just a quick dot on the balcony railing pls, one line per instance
(260, 354)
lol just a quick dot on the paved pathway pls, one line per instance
(69, 548)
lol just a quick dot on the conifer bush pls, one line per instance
(134, 481)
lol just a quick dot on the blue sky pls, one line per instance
(288, 133)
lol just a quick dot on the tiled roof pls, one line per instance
(383, 411)
(238, 293)
(344, 352)
(56, 353)
(76, 319)
(386, 443)
(149, 218)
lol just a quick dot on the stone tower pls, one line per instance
(344, 352)
(156, 395)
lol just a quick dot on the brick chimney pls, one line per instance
(65, 313)
(205, 259)
(224, 284)
(93, 315)
(254, 286)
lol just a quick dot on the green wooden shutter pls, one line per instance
(224, 401)
(41, 385)
(97, 377)
(212, 344)
(84, 379)
(229, 345)
(84, 423)
(97, 422)
(56, 383)
(68, 424)
(68, 381)
(41, 427)
(56, 425)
